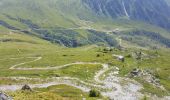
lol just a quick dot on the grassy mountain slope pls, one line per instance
(31, 29)
(18, 45)
(16, 48)
(72, 23)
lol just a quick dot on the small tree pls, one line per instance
(94, 93)
(128, 56)
(98, 55)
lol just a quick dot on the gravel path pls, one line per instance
(36, 59)
(111, 86)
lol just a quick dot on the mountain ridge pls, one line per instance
(52, 21)
(155, 12)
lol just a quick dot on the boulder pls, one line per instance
(26, 87)
(121, 58)
(3, 96)
(135, 72)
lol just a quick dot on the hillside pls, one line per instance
(26, 59)
(155, 12)
(88, 23)
(85, 49)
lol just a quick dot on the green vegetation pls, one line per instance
(16, 52)
(144, 98)
(155, 60)
(58, 92)
(20, 47)
(137, 37)
(50, 29)
(80, 71)
(53, 22)
(94, 93)
(149, 88)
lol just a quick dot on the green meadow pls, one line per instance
(58, 92)
(17, 48)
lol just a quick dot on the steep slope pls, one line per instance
(52, 20)
(45, 13)
(156, 12)
(74, 23)
(25, 53)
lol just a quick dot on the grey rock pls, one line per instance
(135, 72)
(3, 96)
(26, 87)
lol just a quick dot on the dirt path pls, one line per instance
(110, 86)
(36, 59)
(44, 85)
(98, 74)
(15, 67)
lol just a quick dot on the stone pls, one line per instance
(26, 87)
(136, 72)
(3, 96)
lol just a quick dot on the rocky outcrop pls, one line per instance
(3, 96)
(155, 12)
(147, 76)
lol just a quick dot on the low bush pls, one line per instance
(94, 93)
